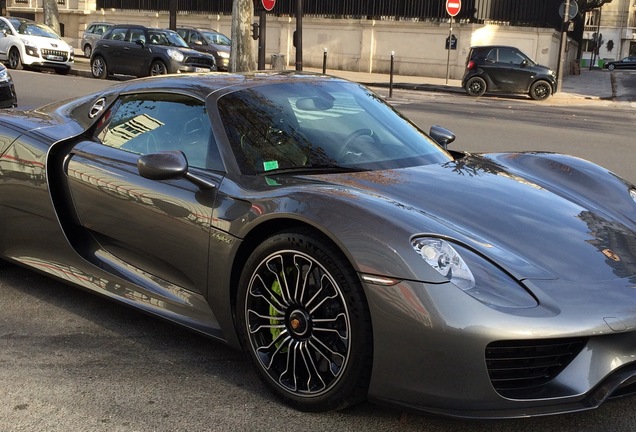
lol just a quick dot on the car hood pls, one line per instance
(45, 42)
(536, 215)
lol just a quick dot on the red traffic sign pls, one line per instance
(268, 4)
(452, 7)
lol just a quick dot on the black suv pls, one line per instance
(506, 69)
(208, 41)
(141, 51)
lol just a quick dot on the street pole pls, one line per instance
(564, 41)
(262, 31)
(299, 35)
(450, 37)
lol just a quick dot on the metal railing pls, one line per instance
(535, 13)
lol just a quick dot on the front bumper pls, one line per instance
(61, 60)
(431, 344)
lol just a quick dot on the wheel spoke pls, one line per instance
(333, 358)
(341, 330)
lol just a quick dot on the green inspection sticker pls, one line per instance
(270, 165)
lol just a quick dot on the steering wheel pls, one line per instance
(353, 136)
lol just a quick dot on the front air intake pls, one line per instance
(518, 369)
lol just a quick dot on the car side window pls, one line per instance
(91, 29)
(492, 56)
(151, 123)
(137, 35)
(510, 56)
(118, 34)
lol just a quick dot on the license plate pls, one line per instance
(198, 69)
(54, 58)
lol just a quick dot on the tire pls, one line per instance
(14, 61)
(99, 68)
(475, 86)
(540, 90)
(300, 303)
(88, 51)
(158, 68)
(611, 67)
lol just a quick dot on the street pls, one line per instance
(73, 361)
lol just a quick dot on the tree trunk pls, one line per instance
(51, 15)
(242, 56)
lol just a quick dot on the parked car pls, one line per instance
(209, 41)
(8, 97)
(301, 218)
(92, 34)
(26, 43)
(506, 69)
(140, 51)
(626, 63)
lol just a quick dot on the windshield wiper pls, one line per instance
(315, 169)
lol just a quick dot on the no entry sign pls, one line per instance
(268, 4)
(452, 7)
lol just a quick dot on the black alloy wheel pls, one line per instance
(14, 61)
(540, 90)
(304, 319)
(475, 86)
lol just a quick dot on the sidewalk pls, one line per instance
(592, 84)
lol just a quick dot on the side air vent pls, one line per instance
(518, 369)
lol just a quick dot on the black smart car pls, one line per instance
(506, 69)
(140, 51)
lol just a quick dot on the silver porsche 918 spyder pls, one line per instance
(302, 219)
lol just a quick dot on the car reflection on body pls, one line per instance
(302, 219)
(8, 97)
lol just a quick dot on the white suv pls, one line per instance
(25, 43)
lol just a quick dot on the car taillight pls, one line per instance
(470, 65)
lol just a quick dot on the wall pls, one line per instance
(355, 45)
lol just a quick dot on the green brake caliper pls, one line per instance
(274, 313)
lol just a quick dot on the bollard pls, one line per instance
(391, 74)
(324, 61)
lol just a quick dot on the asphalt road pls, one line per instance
(73, 361)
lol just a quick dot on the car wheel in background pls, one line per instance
(611, 66)
(99, 68)
(540, 90)
(475, 86)
(158, 68)
(15, 62)
(303, 317)
(88, 51)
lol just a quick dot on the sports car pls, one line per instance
(302, 219)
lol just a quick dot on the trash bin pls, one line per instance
(278, 61)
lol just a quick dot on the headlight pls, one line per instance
(473, 274)
(224, 54)
(28, 43)
(4, 75)
(176, 55)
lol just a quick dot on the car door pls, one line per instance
(511, 70)
(112, 47)
(135, 55)
(5, 39)
(157, 227)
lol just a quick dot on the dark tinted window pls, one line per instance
(151, 123)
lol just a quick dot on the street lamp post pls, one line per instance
(564, 41)
(299, 35)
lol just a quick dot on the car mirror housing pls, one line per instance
(140, 42)
(163, 166)
(442, 136)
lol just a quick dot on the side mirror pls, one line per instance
(442, 136)
(140, 42)
(169, 165)
(163, 166)
(524, 63)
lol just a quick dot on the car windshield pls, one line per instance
(326, 125)
(217, 38)
(167, 38)
(33, 29)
